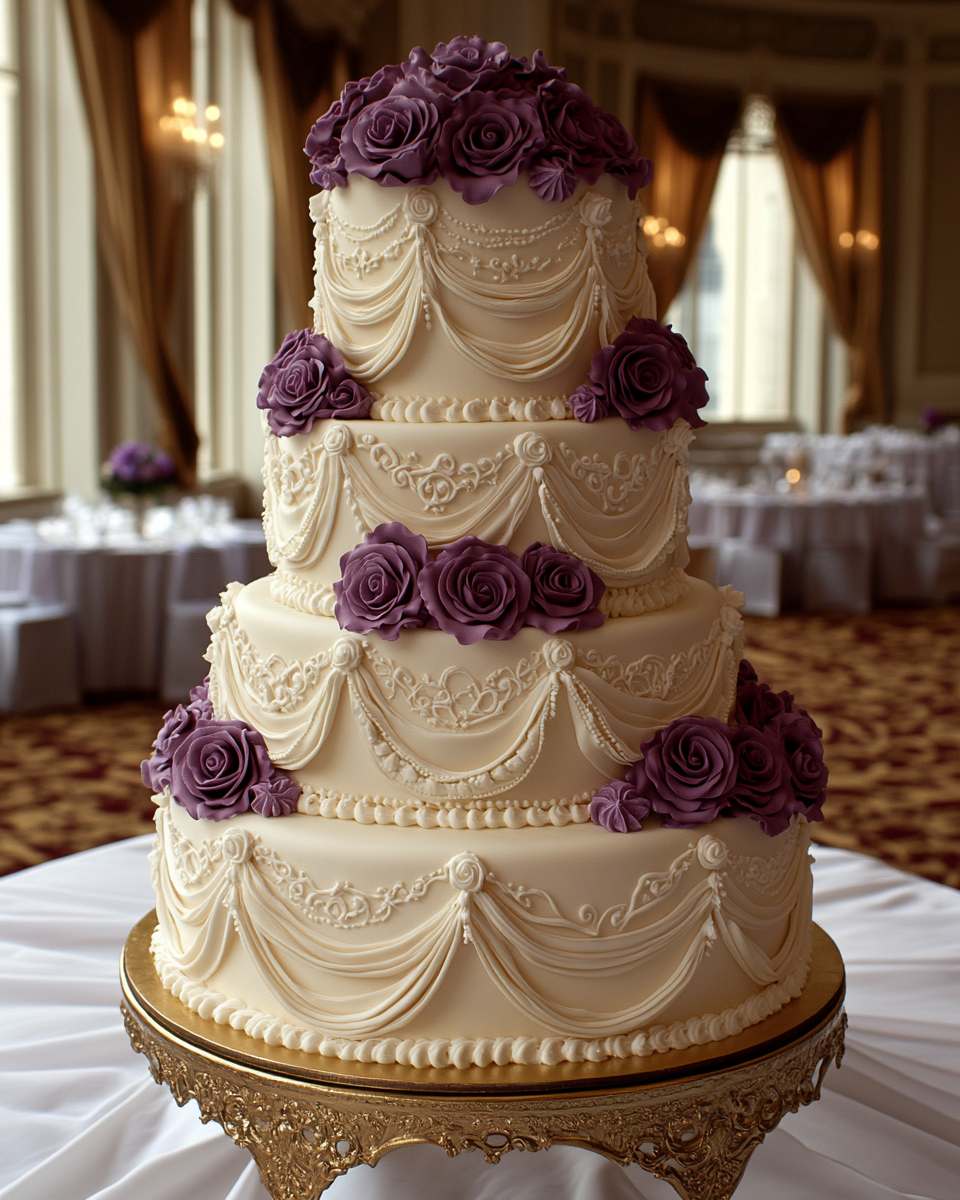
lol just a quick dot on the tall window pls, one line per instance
(749, 306)
(9, 242)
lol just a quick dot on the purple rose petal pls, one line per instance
(378, 585)
(476, 591)
(488, 140)
(687, 771)
(564, 591)
(215, 766)
(763, 789)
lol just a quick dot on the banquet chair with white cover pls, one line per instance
(837, 579)
(198, 574)
(39, 661)
(755, 571)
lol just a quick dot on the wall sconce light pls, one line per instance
(661, 233)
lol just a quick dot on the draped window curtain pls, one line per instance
(831, 154)
(133, 59)
(684, 130)
(301, 72)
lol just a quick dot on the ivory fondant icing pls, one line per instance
(442, 947)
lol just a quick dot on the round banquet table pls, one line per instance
(81, 1117)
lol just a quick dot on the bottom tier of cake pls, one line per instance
(447, 947)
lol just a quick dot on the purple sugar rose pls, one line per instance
(762, 790)
(177, 724)
(618, 807)
(395, 139)
(745, 673)
(200, 701)
(758, 704)
(687, 772)
(303, 383)
(323, 142)
(276, 796)
(215, 767)
(589, 403)
(469, 63)
(620, 154)
(571, 121)
(564, 592)
(378, 589)
(650, 377)
(553, 178)
(475, 591)
(802, 744)
(488, 140)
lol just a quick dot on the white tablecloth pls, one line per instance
(880, 521)
(120, 593)
(81, 1117)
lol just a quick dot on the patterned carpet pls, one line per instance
(885, 687)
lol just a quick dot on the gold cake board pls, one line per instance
(692, 1117)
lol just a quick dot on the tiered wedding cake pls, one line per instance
(402, 823)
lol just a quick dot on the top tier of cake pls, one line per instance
(455, 312)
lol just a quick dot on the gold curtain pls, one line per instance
(831, 154)
(684, 130)
(133, 59)
(300, 72)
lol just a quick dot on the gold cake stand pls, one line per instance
(692, 1117)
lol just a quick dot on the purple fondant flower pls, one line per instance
(474, 591)
(395, 139)
(762, 790)
(589, 403)
(620, 155)
(619, 807)
(177, 723)
(323, 142)
(758, 704)
(528, 76)
(802, 744)
(378, 589)
(487, 141)
(571, 121)
(564, 592)
(650, 377)
(745, 673)
(303, 383)
(215, 767)
(687, 772)
(200, 700)
(469, 63)
(552, 177)
(276, 796)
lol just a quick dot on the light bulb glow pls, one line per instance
(216, 140)
(846, 239)
(792, 476)
(212, 112)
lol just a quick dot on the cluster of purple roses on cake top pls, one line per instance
(306, 381)
(216, 769)
(477, 116)
(647, 375)
(768, 766)
(471, 589)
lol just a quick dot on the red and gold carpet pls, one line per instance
(885, 688)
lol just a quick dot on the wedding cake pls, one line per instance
(478, 776)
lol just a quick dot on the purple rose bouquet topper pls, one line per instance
(216, 769)
(472, 589)
(768, 766)
(476, 116)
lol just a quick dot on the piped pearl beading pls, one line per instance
(380, 810)
(428, 410)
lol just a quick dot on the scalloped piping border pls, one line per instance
(463, 1052)
(481, 814)
(437, 410)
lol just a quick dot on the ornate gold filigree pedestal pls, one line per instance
(692, 1117)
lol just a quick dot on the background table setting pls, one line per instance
(82, 1118)
(107, 599)
(836, 523)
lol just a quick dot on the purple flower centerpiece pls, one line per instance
(647, 375)
(137, 469)
(564, 592)
(477, 115)
(378, 585)
(306, 381)
(475, 591)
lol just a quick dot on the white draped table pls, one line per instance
(81, 1117)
